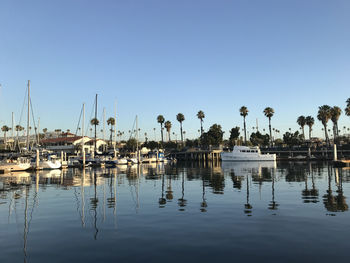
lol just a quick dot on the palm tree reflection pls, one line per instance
(310, 195)
(273, 204)
(335, 203)
(181, 201)
(204, 203)
(169, 192)
(248, 207)
(162, 200)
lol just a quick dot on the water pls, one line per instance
(244, 212)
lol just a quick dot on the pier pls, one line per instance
(197, 155)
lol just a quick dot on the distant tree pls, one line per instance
(180, 118)
(111, 122)
(259, 139)
(335, 114)
(292, 139)
(324, 114)
(131, 144)
(244, 113)
(234, 135)
(214, 136)
(310, 122)
(151, 145)
(192, 143)
(5, 130)
(160, 120)
(201, 116)
(302, 122)
(167, 126)
(269, 112)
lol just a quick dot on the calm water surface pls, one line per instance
(243, 212)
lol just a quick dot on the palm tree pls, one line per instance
(302, 121)
(324, 114)
(335, 112)
(160, 120)
(111, 121)
(180, 118)
(201, 116)
(167, 126)
(244, 112)
(5, 129)
(269, 113)
(347, 110)
(95, 122)
(309, 120)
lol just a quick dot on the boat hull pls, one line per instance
(232, 157)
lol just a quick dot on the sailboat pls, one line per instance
(20, 164)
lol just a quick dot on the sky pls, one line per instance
(164, 57)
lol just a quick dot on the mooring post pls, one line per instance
(335, 152)
(37, 160)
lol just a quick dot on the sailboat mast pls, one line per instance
(28, 115)
(38, 134)
(96, 122)
(115, 126)
(137, 139)
(82, 135)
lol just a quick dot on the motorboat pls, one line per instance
(151, 157)
(48, 162)
(245, 153)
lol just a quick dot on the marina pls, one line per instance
(174, 131)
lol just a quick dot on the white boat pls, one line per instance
(244, 153)
(51, 163)
(47, 163)
(133, 160)
(21, 164)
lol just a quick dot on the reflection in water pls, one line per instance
(140, 185)
(169, 192)
(331, 202)
(204, 204)
(310, 195)
(273, 204)
(182, 201)
(162, 200)
(248, 207)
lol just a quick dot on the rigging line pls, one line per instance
(81, 113)
(77, 202)
(91, 114)
(31, 107)
(24, 101)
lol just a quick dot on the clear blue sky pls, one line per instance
(164, 57)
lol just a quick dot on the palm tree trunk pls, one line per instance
(201, 127)
(310, 133)
(334, 132)
(5, 140)
(110, 137)
(303, 132)
(245, 131)
(169, 136)
(270, 131)
(326, 133)
(182, 139)
(161, 132)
